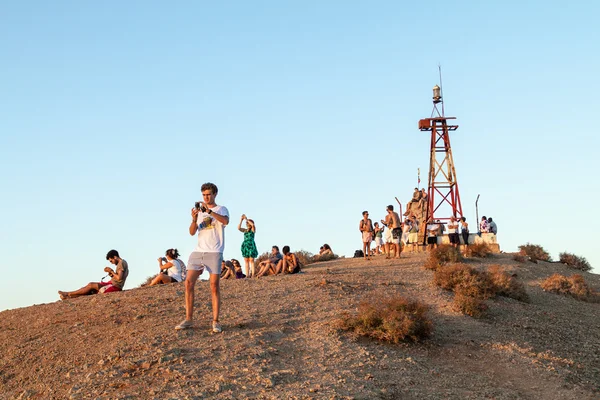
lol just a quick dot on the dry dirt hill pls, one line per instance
(280, 341)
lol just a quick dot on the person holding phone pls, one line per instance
(172, 269)
(208, 223)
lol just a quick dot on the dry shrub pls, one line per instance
(506, 285)
(472, 287)
(574, 286)
(535, 252)
(469, 305)
(304, 257)
(575, 262)
(325, 257)
(395, 320)
(442, 255)
(519, 257)
(147, 281)
(480, 250)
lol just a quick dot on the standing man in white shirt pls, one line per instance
(209, 221)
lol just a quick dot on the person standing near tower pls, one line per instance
(208, 221)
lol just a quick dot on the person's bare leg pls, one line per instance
(246, 265)
(397, 249)
(81, 292)
(160, 278)
(252, 267)
(190, 283)
(215, 292)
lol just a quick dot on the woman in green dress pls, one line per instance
(249, 251)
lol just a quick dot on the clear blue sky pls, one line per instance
(304, 113)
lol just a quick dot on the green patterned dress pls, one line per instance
(248, 246)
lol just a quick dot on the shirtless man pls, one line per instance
(393, 223)
(414, 201)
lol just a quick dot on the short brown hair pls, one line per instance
(210, 186)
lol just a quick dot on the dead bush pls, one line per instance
(535, 252)
(574, 286)
(471, 287)
(480, 250)
(575, 262)
(393, 320)
(304, 257)
(469, 305)
(325, 257)
(442, 255)
(147, 281)
(506, 285)
(519, 258)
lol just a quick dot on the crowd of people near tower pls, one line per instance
(394, 235)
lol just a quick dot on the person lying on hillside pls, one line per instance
(269, 266)
(172, 269)
(289, 264)
(116, 283)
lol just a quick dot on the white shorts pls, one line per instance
(388, 235)
(378, 241)
(210, 261)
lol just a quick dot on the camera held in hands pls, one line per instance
(200, 207)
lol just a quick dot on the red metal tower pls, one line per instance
(443, 185)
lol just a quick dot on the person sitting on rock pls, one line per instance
(172, 269)
(413, 202)
(483, 225)
(493, 228)
(116, 283)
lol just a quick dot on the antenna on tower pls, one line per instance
(441, 87)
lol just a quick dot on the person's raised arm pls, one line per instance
(194, 224)
(240, 224)
(165, 265)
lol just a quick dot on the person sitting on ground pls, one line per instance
(432, 232)
(483, 225)
(116, 283)
(227, 270)
(172, 269)
(493, 228)
(237, 267)
(269, 266)
(326, 250)
(289, 264)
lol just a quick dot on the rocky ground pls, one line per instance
(280, 341)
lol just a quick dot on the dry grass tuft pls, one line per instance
(535, 252)
(506, 285)
(442, 255)
(574, 286)
(305, 257)
(519, 258)
(147, 281)
(325, 257)
(480, 250)
(469, 305)
(575, 262)
(393, 320)
(472, 287)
